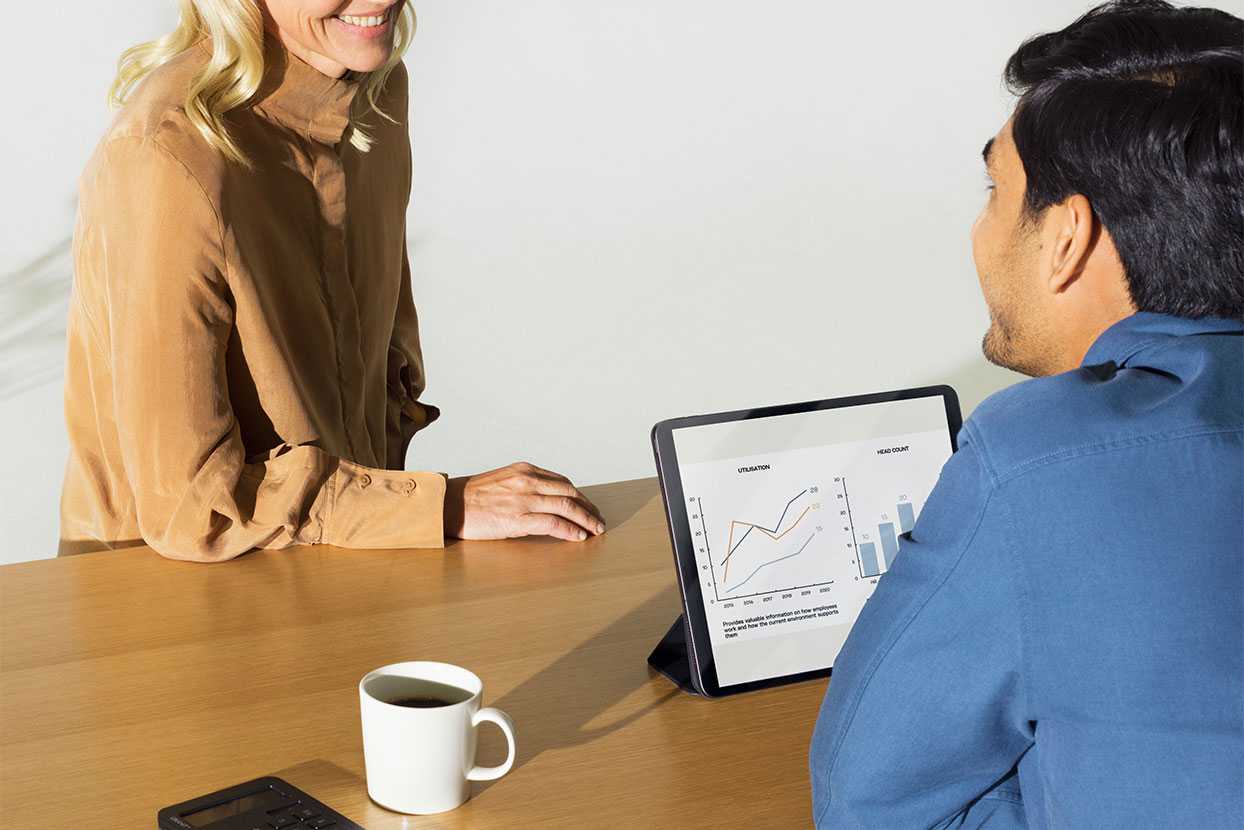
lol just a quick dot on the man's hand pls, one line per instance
(518, 500)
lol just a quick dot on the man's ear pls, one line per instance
(1071, 231)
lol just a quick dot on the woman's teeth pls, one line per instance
(362, 21)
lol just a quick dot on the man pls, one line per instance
(1061, 641)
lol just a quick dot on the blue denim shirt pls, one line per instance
(1060, 642)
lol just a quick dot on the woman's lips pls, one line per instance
(362, 29)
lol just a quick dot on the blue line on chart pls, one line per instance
(751, 527)
(772, 562)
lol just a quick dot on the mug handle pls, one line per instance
(502, 720)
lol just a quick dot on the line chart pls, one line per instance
(773, 534)
(778, 553)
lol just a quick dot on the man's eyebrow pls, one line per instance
(987, 153)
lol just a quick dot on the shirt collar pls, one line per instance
(1130, 335)
(296, 95)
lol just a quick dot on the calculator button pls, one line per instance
(282, 821)
(321, 822)
(306, 812)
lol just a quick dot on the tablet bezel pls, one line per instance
(703, 665)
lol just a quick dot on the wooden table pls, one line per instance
(129, 682)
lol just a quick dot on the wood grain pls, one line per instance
(129, 682)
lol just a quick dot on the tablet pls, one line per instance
(783, 519)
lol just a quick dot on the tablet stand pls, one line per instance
(670, 656)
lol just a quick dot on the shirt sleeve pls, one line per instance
(925, 718)
(167, 316)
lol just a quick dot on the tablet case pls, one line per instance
(670, 656)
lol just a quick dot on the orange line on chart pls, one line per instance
(730, 542)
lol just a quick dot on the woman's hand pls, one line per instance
(518, 500)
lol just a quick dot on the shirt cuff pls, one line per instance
(375, 508)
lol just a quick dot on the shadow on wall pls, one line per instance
(34, 301)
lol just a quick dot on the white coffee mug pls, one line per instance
(419, 722)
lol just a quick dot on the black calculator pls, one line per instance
(263, 804)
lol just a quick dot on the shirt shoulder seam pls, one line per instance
(155, 142)
(982, 452)
(1083, 450)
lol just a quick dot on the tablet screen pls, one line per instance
(794, 517)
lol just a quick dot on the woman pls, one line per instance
(244, 366)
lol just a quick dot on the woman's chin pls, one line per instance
(362, 48)
(367, 59)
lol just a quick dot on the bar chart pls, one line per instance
(871, 561)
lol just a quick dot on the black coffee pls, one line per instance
(423, 702)
(417, 694)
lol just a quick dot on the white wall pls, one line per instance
(622, 212)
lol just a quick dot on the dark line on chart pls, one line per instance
(774, 536)
(751, 527)
(773, 561)
(729, 553)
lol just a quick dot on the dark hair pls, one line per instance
(1139, 106)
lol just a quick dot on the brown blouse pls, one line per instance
(243, 362)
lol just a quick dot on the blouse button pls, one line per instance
(409, 487)
(364, 480)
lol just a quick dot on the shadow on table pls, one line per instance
(331, 784)
(574, 691)
(630, 500)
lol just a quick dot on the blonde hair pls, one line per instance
(233, 74)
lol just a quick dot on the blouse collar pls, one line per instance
(298, 96)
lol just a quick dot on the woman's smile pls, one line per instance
(366, 26)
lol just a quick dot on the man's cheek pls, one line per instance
(977, 243)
